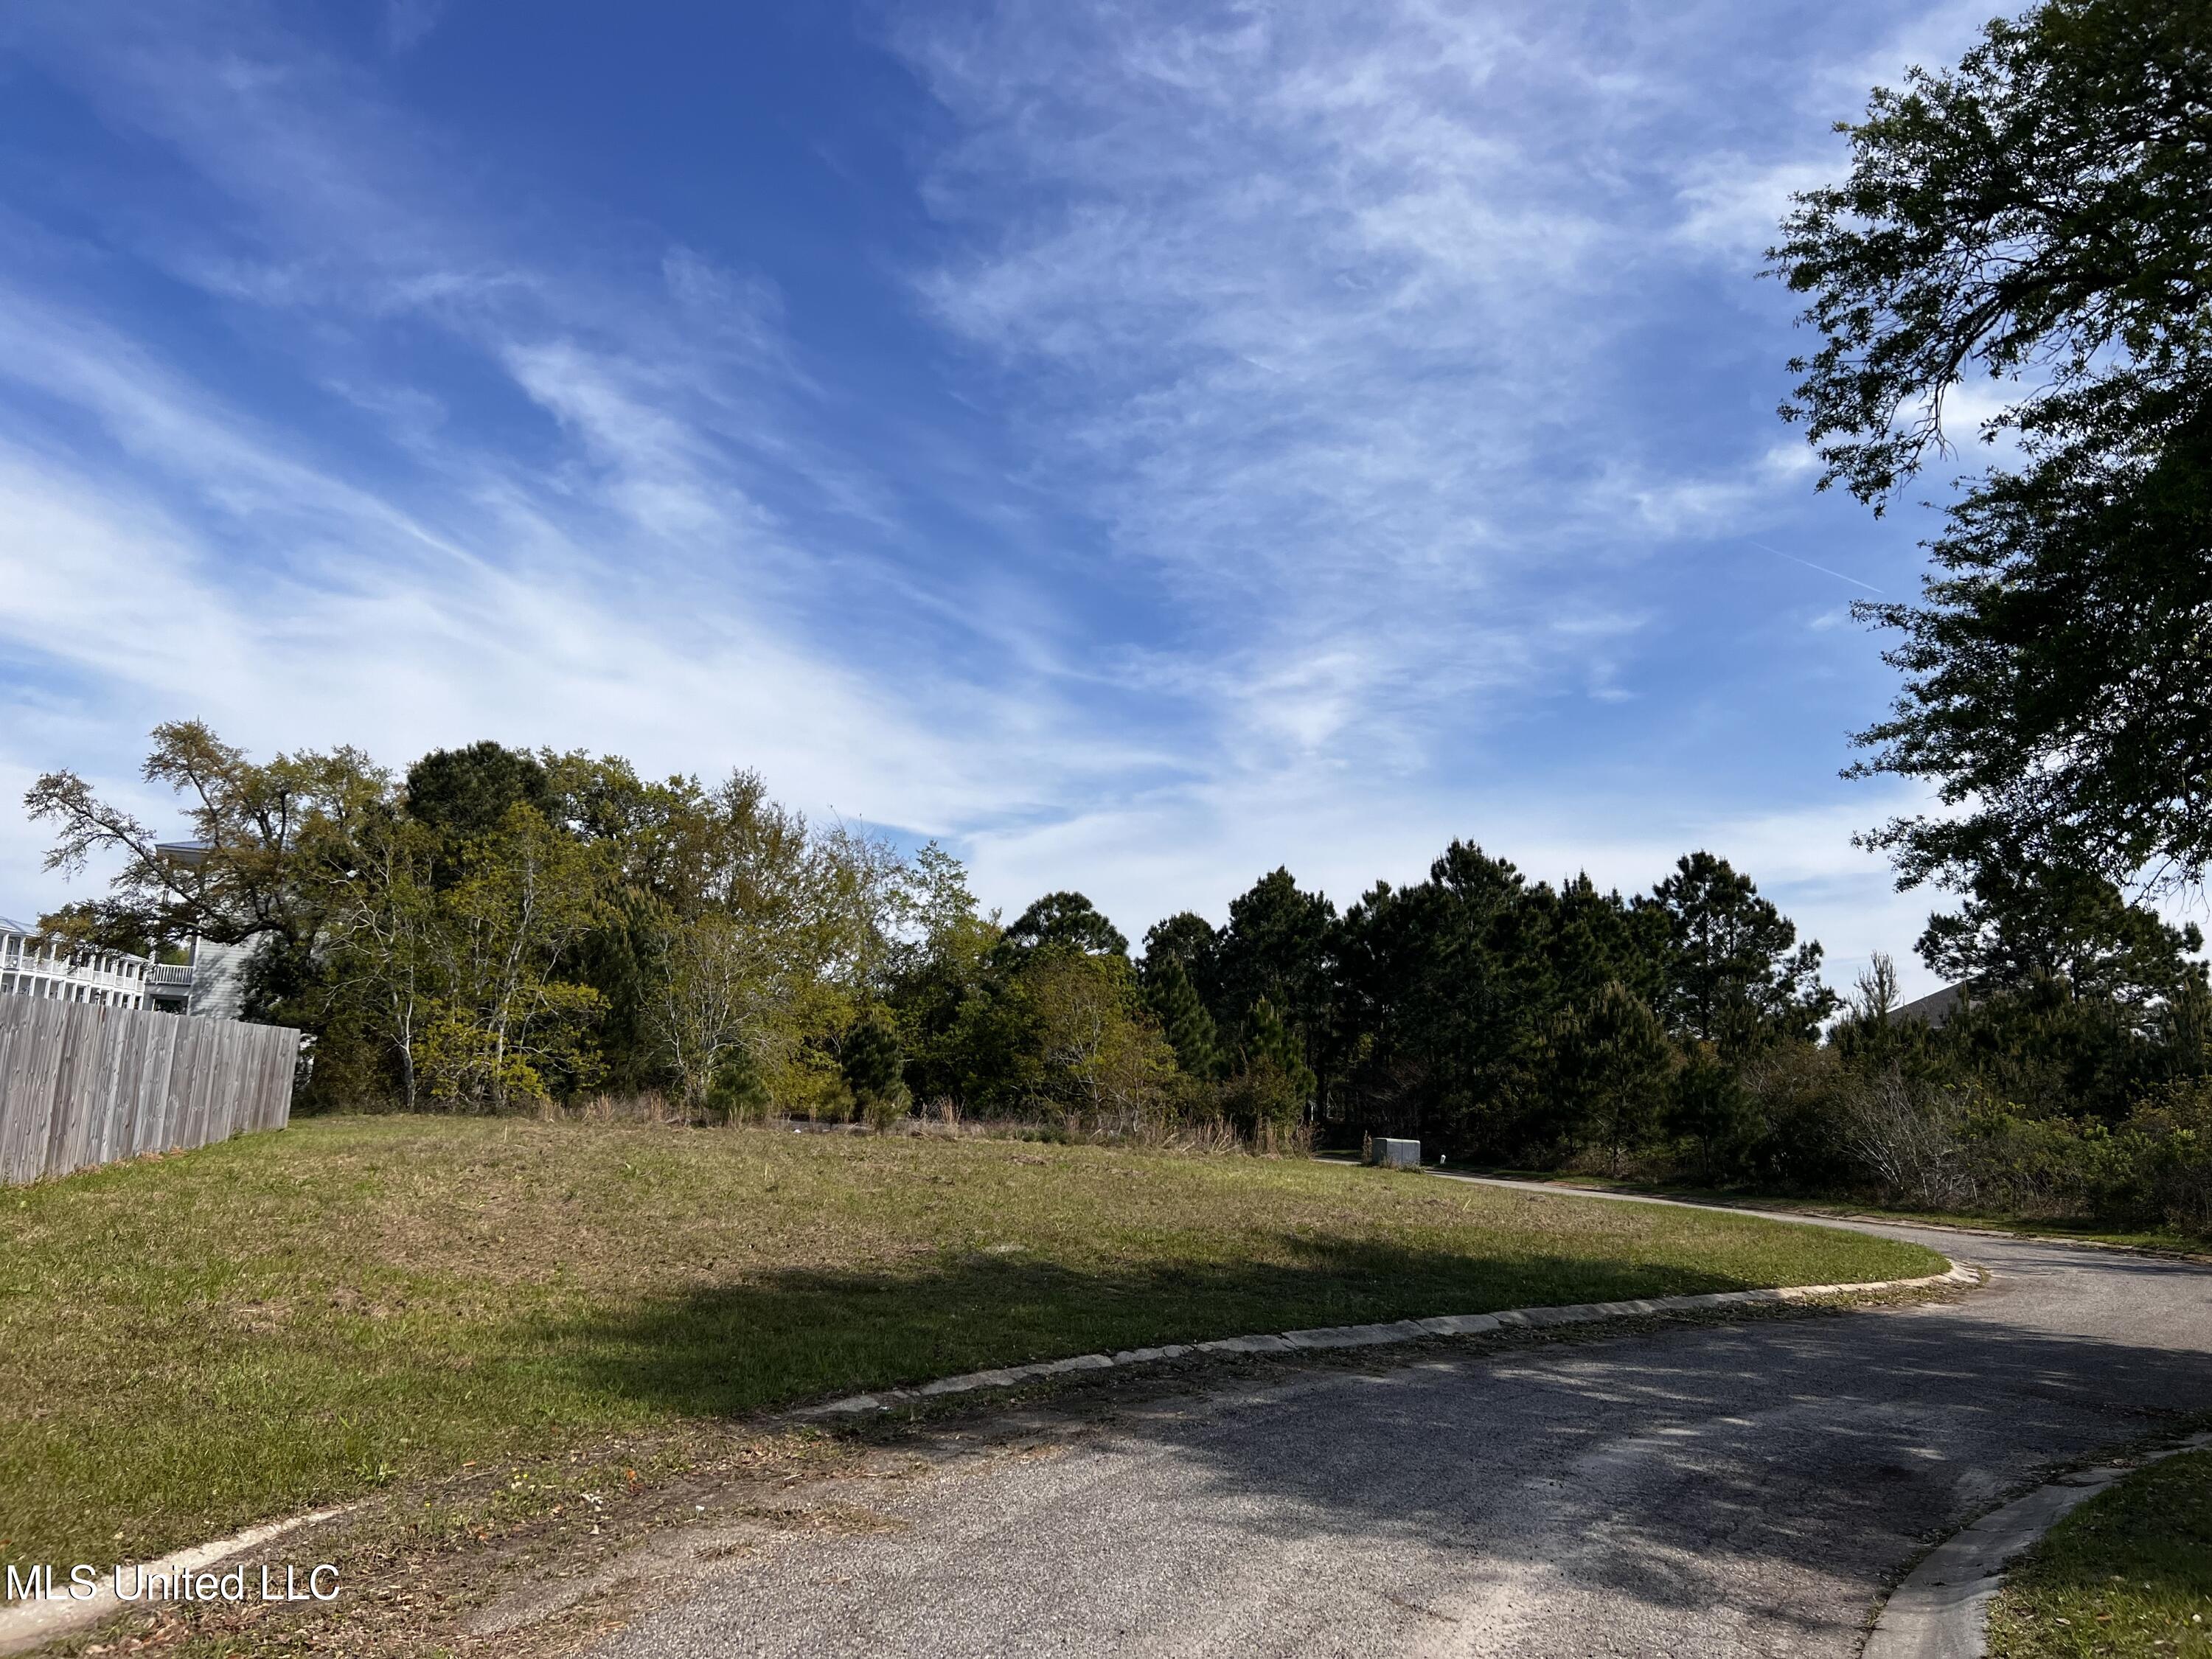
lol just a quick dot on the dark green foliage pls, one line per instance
(2056, 668)
(1191, 940)
(1452, 992)
(1183, 1020)
(2045, 1047)
(623, 959)
(1611, 1067)
(2181, 1029)
(1187, 936)
(2025, 921)
(2041, 206)
(738, 1091)
(1440, 1003)
(2041, 215)
(1271, 1088)
(871, 1060)
(467, 792)
(1277, 948)
(1716, 1116)
(1065, 919)
(1268, 1041)
(988, 1059)
(1734, 973)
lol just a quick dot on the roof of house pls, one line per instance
(1935, 1008)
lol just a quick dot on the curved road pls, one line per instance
(1698, 1492)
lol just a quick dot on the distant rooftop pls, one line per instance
(1934, 1008)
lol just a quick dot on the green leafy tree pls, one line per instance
(947, 989)
(1709, 1107)
(1190, 940)
(2040, 215)
(1443, 1005)
(464, 794)
(264, 842)
(770, 935)
(1278, 948)
(2182, 1028)
(508, 1027)
(381, 953)
(1096, 1052)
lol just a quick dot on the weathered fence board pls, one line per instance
(82, 1084)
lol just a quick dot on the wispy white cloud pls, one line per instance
(632, 576)
(1326, 312)
(1733, 205)
(1340, 353)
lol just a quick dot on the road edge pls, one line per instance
(30, 1624)
(1379, 1335)
(1941, 1609)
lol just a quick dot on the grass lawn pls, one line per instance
(2128, 1573)
(192, 1344)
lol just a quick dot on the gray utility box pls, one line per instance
(1394, 1154)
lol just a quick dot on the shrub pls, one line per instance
(2168, 1145)
(874, 1070)
(736, 1092)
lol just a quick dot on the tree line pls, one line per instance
(493, 929)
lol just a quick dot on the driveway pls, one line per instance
(1700, 1490)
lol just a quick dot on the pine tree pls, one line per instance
(1269, 1043)
(1174, 1002)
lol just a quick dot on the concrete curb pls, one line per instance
(1364, 1336)
(1941, 1611)
(31, 1624)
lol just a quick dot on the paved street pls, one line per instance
(1701, 1491)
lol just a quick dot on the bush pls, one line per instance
(1264, 1101)
(2168, 1147)
(1795, 1135)
(736, 1092)
(1711, 1111)
(874, 1070)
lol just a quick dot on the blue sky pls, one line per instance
(1136, 444)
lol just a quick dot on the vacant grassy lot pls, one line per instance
(191, 1345)
(2129, 1573)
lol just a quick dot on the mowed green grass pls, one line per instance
(192, 1344)
(2129, 1573)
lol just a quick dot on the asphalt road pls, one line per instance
(1698, 1492)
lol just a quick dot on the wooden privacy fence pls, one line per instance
(82, 1084)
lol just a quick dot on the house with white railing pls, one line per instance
(35, 964)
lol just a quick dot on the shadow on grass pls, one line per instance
(776, 1338)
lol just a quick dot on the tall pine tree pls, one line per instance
(1174, 1002)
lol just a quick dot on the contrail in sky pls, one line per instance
(1810, 565)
